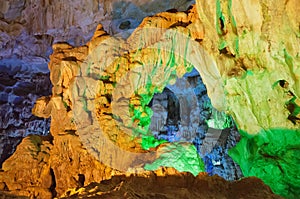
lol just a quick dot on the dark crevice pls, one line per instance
(222, 25)
(49, 138)
(72, 58)
(106, 81)
(68, 108)
(108, 97)
(105, 113)
(173, 10)
(180, 23)
(173, 108)
(125, 25)
(189, 9)
(81, 179)
(283, 83)
(225, 52)
(293, 108)
(293, 119)
(53, 184)
(71, 132)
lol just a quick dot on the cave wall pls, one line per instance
(28, 31)
(250, 71)
(255, 45)
(66, 150)
(252, 57)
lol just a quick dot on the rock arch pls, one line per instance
(112, 88)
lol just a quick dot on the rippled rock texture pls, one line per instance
(18, 93)
(256, 51)
(28, 31)
(101, 91)
(30, 27)
(172, 186)
(61, 159)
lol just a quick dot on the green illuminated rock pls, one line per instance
(256, 51)
(181, 156)
(149, 142)
(274, 156)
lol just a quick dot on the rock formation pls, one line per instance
(99, 104)
(174, 185)
(256, 51)
(28, 31)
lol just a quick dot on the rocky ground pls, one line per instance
(170, 186)
(75, 159)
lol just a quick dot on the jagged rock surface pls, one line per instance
(66, 144)
(19, 89)
(256, 52)
(173, 186)
(68, 163)
(29, 29)
(252, 57)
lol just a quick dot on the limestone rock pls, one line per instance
(256, 51)
(252, 57)
(100, 90)
(68, 155)
(173, 186)
(29, 29)
(19, 90)
(73, 166)
(33, 169)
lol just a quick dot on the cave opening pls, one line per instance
(165, 120)
(186, 132)
(183, 112)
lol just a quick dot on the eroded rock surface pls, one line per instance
(68, 163)
(19, 89)
(29, 29)
(256, 51)
(174, 186)
(87, 92)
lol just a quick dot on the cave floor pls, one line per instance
(173, 186)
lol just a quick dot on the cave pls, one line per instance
(149, 99)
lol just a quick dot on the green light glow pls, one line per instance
(232, 17)
(181, 156)
(84, 102)
(236, 44)
(274, 156)
(149, 142)
(288, 59)
(296, 108)
(222, 44)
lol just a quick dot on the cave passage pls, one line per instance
(184, 137)
(182, 113)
